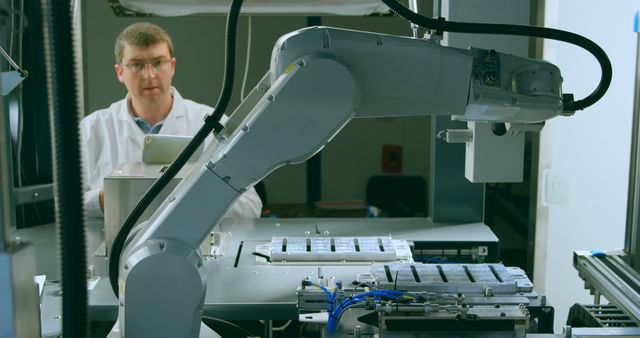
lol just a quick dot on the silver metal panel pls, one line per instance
(44, 244)
(632, 236)
(124, 188)
(507, 300)
(7, 206)
(18, 293)
(243, 286)
(51, 310)
(517, 315)
(11, 79)
(43, 240)
(392, 324)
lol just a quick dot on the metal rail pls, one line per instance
(7, 212)
(632, 238)
(610, 276)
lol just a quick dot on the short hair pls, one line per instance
(141, 34)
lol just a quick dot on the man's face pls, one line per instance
(147, 72)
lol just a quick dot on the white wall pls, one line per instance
(589, 152)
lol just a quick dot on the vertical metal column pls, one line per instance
(453, 199)
(7, 314)
(632, 237)
(18, 294)
(19, 303)
(7, 206)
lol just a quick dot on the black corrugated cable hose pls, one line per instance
(211, 124)
(64, 121)
(220, 325)
(440, 25)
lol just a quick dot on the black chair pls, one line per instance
(398, 195)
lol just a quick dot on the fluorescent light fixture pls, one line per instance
(308, 7)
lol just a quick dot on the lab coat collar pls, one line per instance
(177, 111)
(174, 123)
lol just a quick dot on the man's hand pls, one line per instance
(101, 199)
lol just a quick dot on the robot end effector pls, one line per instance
(513, 95)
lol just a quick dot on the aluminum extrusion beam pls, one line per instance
(589, 332)
(7, 206)
(632, 237)
(612, 277)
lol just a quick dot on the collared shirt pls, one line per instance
(146, 127)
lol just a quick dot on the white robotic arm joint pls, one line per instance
(507, 88)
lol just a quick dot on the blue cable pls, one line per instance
(334, 316)
(326, 292)
(331, 298)
(338, 287)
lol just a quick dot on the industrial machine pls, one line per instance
(319, 79)
(430, 300)
(340, 278)
(323, 77)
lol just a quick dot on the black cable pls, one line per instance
(440, 25)
(267, 330)
(211, 122)
(258, 254)
(220, 324)
(395, 282)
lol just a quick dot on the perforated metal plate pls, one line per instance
(349, 249)
(452, 278)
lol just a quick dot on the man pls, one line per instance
(145, 65)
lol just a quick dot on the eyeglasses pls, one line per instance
(137, 67)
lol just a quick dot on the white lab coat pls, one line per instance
(110, 137)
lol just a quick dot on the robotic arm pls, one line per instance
(320, 78)
(399, 76)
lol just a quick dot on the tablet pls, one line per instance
(162, 149)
